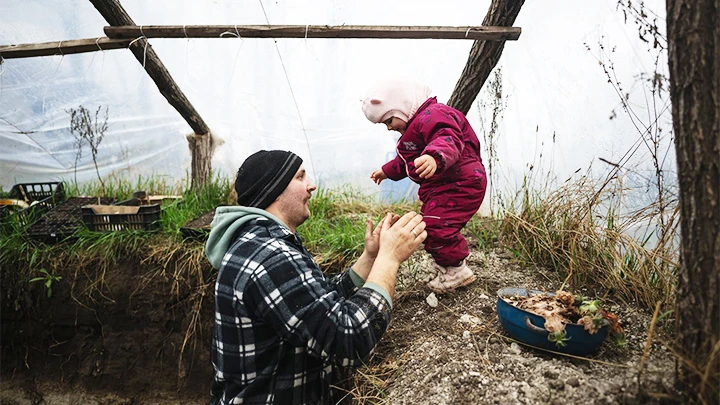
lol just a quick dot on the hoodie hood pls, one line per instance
(225, 223)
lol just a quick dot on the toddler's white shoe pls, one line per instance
(449, 278)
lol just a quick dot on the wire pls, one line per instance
(2, 70)
(297, 107)
(27, 134)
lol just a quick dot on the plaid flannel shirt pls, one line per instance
(280, 323)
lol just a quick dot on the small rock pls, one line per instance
(556, 385)
(515, 348)
(487, 310)
(432, 300)
(483, 296)
(573, 382)
(474, 320)
(551, 374)
(466, 334)
(475, 374)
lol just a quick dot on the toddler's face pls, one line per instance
(395, 124)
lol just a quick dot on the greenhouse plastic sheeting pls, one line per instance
(304, 94)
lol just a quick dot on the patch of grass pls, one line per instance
(579, 230)
(484, 231)
(335, 232)
(370, 383)
(208, 196)
(123, 188)
(217, 191)
(92, 254)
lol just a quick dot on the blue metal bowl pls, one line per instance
(528, 328)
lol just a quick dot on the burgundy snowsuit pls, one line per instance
(454, 193)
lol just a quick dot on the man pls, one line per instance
(280, 324)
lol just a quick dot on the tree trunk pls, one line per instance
(115, 14)
(484, 55)
(693, 28)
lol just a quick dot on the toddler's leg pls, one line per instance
(448, 248)
(446, 245)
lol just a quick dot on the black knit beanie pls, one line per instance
(264, 176)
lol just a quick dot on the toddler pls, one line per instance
(439, 150)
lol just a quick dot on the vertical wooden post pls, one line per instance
(202, 149)
(115, 14)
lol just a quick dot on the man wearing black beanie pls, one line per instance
(264, 175)
(280, 324)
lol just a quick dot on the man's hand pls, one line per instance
(372, 245)
(372, 237)
(399, 240)
(378, 175)
(425, 166)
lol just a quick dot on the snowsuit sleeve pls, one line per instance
(395, 169)
(443, 137)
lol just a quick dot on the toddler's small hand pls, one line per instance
(378, 176)
(425, 166)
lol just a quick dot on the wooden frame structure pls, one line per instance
(62, 47)
(124, 33)
(314, 31)
(119, 37)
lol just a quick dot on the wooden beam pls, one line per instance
(62, 47)
(484, 33)
(115, 14)
(483, 55)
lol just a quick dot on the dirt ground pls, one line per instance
(451, 352)
(458, 353)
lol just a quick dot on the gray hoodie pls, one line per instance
(225, 223)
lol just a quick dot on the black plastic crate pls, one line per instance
(109, 218)
(63, 220)
(42, 192)
(41, 197)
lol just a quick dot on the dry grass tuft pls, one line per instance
(580, 231)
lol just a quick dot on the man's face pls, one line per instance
(293, 202)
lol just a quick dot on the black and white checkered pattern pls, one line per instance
(280, 323)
